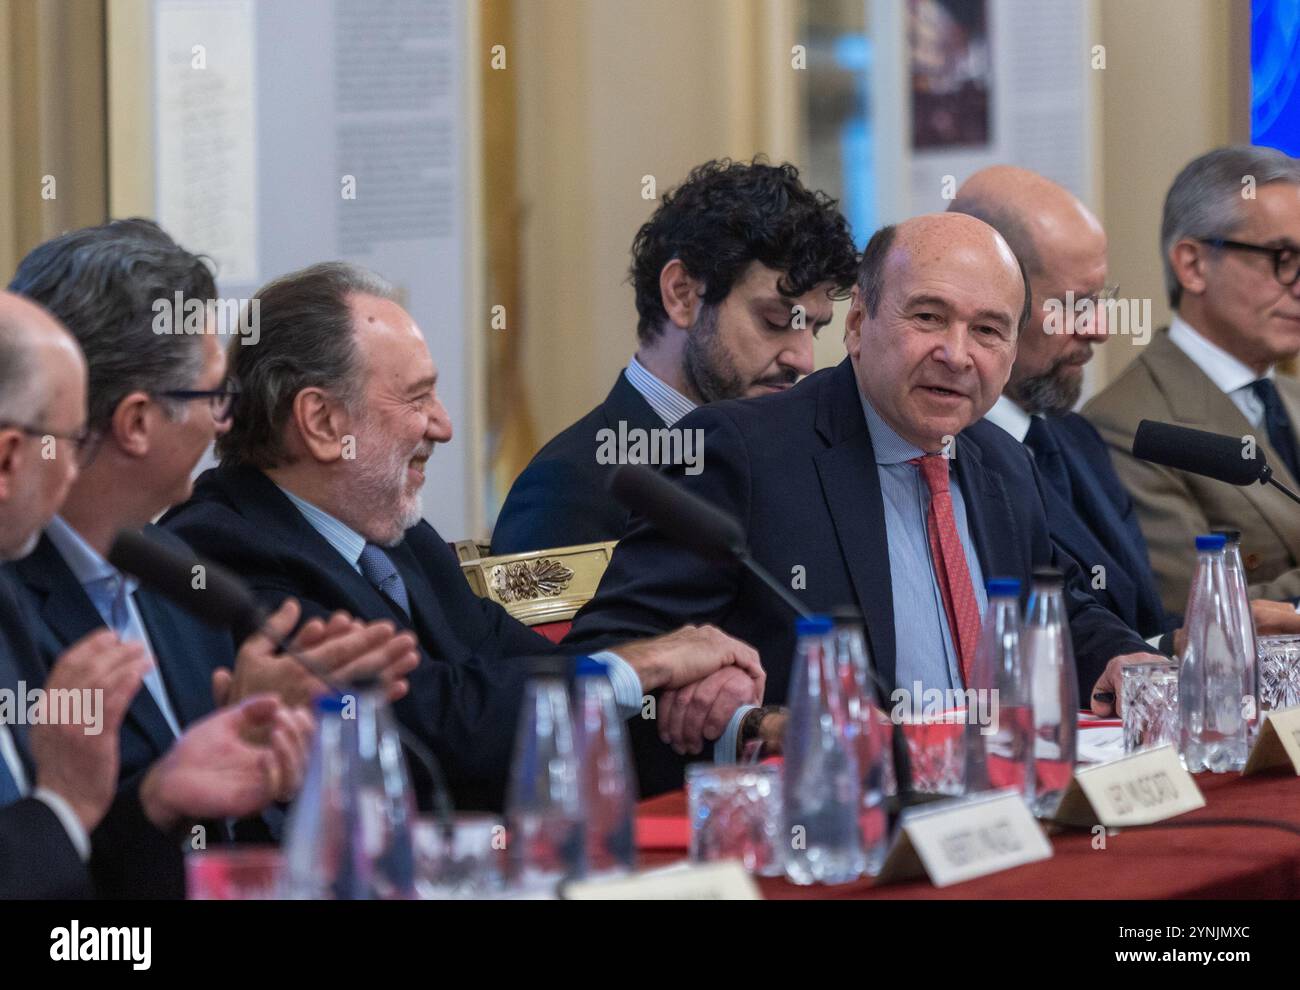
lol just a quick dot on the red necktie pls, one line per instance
(949, 560)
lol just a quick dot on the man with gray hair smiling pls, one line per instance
(1230, 239)
(318, 497)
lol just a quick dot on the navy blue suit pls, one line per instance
(1093, 518)
(466, 691)
(560, 499)
(129, 856)
(187, 650)
(798, 471)
(37, 859)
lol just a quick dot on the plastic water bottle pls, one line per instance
(608, 775)
(1212, 685)
(348, 835)
(1236, 574)
(999, 706)
(544, 807)
(822, 787)
(869, 735)
(1045, 644)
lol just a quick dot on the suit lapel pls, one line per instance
(988, 513)
(851, 486)
(187, 677)
(1196, 401)
(67, 610)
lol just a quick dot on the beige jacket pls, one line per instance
(1173, 507)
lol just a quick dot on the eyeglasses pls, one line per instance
(220, 400)
(81, 440)
(1286, 260)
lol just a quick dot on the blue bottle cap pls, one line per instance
(814, 625)
(1003, 587)
(1209, 542)
(329, 704)
(591, 667)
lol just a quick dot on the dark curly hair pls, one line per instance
(728, 214)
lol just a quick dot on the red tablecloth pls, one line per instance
(1163, 864)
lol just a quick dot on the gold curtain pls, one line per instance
(53, 174)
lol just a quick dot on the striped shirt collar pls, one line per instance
(342, 537)
(668, 403)
(888, 446)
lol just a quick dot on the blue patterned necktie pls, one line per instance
(379, 570)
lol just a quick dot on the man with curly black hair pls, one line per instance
(735, 274)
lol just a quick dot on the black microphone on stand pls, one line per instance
(1234, 460)
(224, 600)
(687, 519)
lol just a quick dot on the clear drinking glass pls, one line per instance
(469, 863)
(735, 813)
(1279, 672)
(1149, 701)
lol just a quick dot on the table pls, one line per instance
(1154, 863)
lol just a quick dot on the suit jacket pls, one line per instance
(560, 498)
(187, 650)
(466, 691)
(798, 471)
(1096, 523)
(37, 858)
(129, 856)
(1164, 384)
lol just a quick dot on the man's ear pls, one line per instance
(680, 293)
(853, 324)
(130, 424)
(1188, 258)
(322, 424)
(11, 461)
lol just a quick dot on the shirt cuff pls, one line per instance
(71, 823)
(724, 750)
(628, 693)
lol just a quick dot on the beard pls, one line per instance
(706, 363)
(1050, 394)
(709, 368)
(380, 488)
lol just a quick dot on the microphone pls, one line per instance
(1210, 455)
(687, 519)
(222, 599)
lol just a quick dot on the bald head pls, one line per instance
(933, 327)
(1063, 248)
(33, 345)
(42, 407)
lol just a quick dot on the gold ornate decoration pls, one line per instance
(528, 580)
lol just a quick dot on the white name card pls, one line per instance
(959, 840)
(1138, 789)
(1278, 743)
(724, 881)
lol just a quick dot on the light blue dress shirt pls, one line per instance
(113, 595)
(924, 646)
(668, 403)
(349, 544)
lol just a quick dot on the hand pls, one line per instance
(1275, 618)
(1112, 677)
(79, 762)
(230, 764)
(700, 711)
(1271, 619)
(342, 649)
(687, 655)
